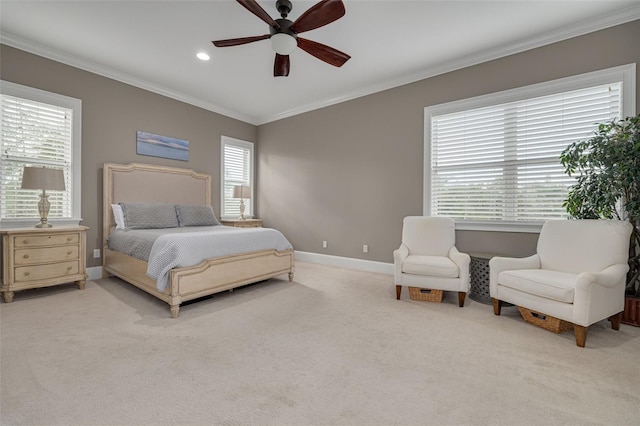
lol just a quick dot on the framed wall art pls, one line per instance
(161, 146)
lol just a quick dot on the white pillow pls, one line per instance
(118, 215)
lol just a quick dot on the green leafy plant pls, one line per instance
(607, 169)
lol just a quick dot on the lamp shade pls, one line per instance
(242, 191)
(43, 178)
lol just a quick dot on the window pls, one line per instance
(492, 162)
(38, 129)
(237, 169)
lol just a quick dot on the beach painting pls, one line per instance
(161, 146)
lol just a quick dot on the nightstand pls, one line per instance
(247, 223)
(35, 257)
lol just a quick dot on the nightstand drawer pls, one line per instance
(45, 240)
(249, 225)
(45, 255)
(40, 272)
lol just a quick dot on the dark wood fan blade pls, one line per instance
(318, 15)
(239, 41)
(253, 7)
(324, 53)
(281, 66)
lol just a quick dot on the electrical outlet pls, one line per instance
(324, 244)
(365, 248)
(96, 253)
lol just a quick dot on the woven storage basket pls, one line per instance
(545, 321)
(425, 294)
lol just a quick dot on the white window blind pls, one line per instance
(237, 169)
(34, 134)
(493, 162)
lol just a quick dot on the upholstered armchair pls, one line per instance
(577, 275)
(428, 258)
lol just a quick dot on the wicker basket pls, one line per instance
(545, 321)
(425, 294)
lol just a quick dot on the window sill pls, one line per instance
(468, 225)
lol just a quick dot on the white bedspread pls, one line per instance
(189, 249)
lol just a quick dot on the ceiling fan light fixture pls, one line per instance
(284, 32)
(283, 44)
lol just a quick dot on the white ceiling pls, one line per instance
(152, 44)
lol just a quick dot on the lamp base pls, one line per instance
(43, 209)
(242, 209)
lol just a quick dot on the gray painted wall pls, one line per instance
(349, 173)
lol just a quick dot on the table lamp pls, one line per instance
(242, 192)
(46, 180)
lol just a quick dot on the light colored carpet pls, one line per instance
(334, 347)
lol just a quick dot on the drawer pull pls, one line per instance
(69, 238)
(69, 252)
(69, 268)
(25, 241)
(26, 274)
(26, 256)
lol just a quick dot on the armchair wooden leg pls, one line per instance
(461, 296)
(615, 320)
(398, 291)
(581, 334)
(497, 306)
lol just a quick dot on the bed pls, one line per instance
(146, 183)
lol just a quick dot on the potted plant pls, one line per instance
(607, 167)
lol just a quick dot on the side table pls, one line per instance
(242, 223)
(479, 272)
(42, 257)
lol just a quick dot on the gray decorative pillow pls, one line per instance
(196, 215)
(149, 215)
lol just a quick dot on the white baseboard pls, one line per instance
(95, 272)
(345, 262)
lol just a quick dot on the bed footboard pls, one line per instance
(209, 277)
(226, 273)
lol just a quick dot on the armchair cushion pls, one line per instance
(435, 266)
(583, 245)
(433, 236)
(554, 285)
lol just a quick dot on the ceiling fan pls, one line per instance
(284, 33)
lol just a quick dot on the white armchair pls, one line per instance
(577, 275)
(428, 258)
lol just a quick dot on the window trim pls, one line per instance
(624, 73)
(227, 140)
(38, 95)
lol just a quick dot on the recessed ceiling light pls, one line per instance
(203, 56)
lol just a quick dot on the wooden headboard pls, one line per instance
(148, 183)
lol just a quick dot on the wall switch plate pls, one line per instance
(324, 244)
(96, 253)
(365, 248)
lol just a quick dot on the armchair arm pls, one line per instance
(499, 264)
(599, 295)
(399, 256)
(461, 260)
(610, 277)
